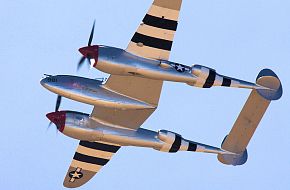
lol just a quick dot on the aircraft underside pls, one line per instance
(131, 94)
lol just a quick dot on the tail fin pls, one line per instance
(255, 107)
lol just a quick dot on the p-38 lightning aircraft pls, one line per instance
(131, 95)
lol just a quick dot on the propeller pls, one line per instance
(58, 101)
(92, 34)
(83, 58)
(57, 105)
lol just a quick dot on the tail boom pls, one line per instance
(207, 77)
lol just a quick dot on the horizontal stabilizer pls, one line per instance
(247, 122)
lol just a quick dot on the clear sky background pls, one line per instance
(237, 38)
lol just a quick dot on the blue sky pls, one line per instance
(237, 38)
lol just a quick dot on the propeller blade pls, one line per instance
(89, 63)
(92, 34)
(58, 101)
(81, 62)
(48, 126)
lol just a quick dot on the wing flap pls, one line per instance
(131, 119)
(89, 158)
(143, 89)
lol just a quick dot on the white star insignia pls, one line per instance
(179, 68)
(76, 175)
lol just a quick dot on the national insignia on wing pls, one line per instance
(77, 174)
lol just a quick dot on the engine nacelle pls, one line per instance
(76, 125)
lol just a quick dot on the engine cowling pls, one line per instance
(75, 125)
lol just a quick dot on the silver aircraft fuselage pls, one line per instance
(91, 92)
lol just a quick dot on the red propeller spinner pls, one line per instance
(90, 52)
(58, 118)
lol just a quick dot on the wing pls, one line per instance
(89, 158)
(153, 39)
(154, 36)
(145, 90)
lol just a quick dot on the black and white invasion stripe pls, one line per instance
(152, 41)
(215, 79)
(210, 79)
(100, 146)
(93, 155)
(174, 142)
(149, 39)
(207, 77)
(154, 36)
(90, 159)
(192, 147)
(160, 22)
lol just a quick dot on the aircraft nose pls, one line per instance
(58, 118)
(90, 51)
(49, 81)
(43, 81)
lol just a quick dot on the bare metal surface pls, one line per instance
(90, 92)
(82, 127)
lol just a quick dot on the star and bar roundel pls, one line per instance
(76, 174)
